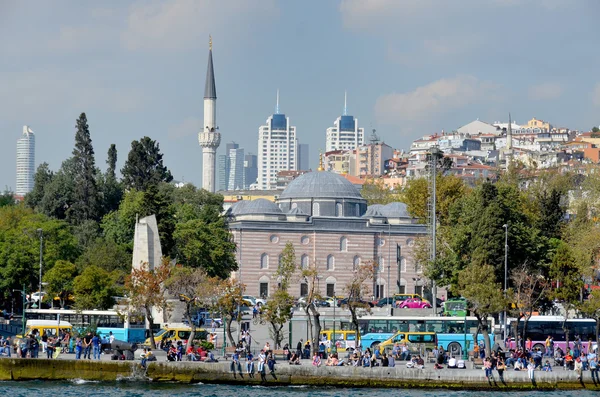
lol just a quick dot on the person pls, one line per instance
(179, 350)
(250, 364)
(384, 360)
(49, 347)
(316, 361)
(190, 353)
(87, 345)
(460, 364)
(78, 348)
(235, 363)
(440, 358)
(391, 361)
(578, 367)
(528, 344)
(500, 367)
(569, 362)
(96, 346)
(547, 367)
(307, 349)
(295, 359)
(7, 346)
(420, 363)
(262, 358)
(271, 363)
(404, 355)
(519, 365)
(147, 356)
(172, 353)
(44, 341)
(531, 368)
(111, 337)
(299, 349)
(35, 347)
(452, 362)
(267, 348)
(559, 357)
(487, 365)
(594, 369)
(584, 362)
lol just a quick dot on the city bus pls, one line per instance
(450, 331)
(455, 307)
(123, 327)
(539, 327)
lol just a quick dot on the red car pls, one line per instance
(415, 303)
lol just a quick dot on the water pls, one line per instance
(77, 388)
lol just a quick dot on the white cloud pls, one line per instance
(433, 99)
(596, 95)
(178, 24)
(187, 127)
(545, 91)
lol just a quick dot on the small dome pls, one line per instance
(375, 210)
(258, 206)
(320, 184)
(395, 210)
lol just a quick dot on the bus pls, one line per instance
(455, 307)
(450, 331)
(539, 327)
(124, 328)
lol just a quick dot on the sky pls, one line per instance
(410, 67)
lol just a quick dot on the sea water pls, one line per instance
(78, 388)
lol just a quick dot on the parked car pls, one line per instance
(384, 302)
(415, 303)
(301, 302)
(253, 300)
(344, 302)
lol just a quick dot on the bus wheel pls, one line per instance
(541, 347)
(455, 349)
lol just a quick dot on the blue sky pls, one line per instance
(410, 68)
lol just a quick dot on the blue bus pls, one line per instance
(126, 328)
(450, 331)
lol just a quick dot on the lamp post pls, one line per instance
(333, 347)
(24, 296)
(41, 233)
(505, 226)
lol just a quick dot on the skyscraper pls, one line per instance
(209, 139)
(224, 166)
(345, 134)
(250, 170)
(303, 163)
(25, 162)
(236, 169)
(277, 149)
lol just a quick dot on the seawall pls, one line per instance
(192, 372)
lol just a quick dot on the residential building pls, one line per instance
(370, 159)
(25, 162)
(340, 161)
(536, 123)
(285, 177)
(345, 133)
(479, 127)
(277, 149)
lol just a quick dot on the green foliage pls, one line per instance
(375, 192)
(449, 189)
(119, 225)
(286, 266)
(277, 312)
(58, 193)
(552, 214)
(60, 280)
(144, 165)
(94, 288)
(106, 254)
(565, 270)
(7, 198)
(112, 162)
(43, 176)
(85, 194)
(20, 246)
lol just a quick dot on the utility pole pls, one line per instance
(433, 197)
(41, 232)
(505, 226)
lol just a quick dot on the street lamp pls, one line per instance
(41, 233)
(505, 226)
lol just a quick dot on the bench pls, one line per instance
(477, 363)
(280, 353)
(431, 357)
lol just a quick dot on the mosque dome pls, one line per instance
(258, 206)
(321, 184)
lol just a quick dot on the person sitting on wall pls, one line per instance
(452, 362)
(294, 359)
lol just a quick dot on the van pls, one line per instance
(176, 333)
(343, 339)
(417, 342)
(52, 328)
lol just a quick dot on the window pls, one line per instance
(294, 205)
(304, 240)
(304, 262)
(356, 262)
(357, 210)
(410, 242)
(419, 289)
(264, 261)
(263, 290)
(316, 209)
(330, 262)
(274, 238)
(338, 210)
(379, 291)
(380, 242)
(344, 244)
(279, 260)
(303, 289)
(330, 289)
(403, 265)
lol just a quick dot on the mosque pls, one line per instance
(332, 228)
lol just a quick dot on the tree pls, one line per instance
(144, 165)
(449, 189)
(7, 198)
(357, 288)
(94, 289)
(595, 132)
(552, 214)
(590, 308)
(85, 194)
(119, 225)
(111, 189)
(566, 273)
(311, 277)
(195, 289)
(484, 295)
(208, 246)
(60, 280)
(43, 176)
(528, 293)
(229, 300)
(112, 162)
(105, 254)
(278, 310)
(145, 288)
(375, 192)
(59, 192)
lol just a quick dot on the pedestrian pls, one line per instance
(96, 346)
(500, 367)
(250, 364)
(531, 369)
(111, 337)
(87, 345)
(594, 369)
(299, 348)
(49, 347)
(262, 358)
(578, 367)
(78, 348)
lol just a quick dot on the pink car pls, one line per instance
(415, 303)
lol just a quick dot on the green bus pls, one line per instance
(455, 307)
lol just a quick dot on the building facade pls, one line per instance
(277, 149)
(333, 230)
(25, 162)
(370, 159)
(209, 138)
(303, 157)
(250, 170)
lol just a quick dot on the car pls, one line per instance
(317, 302)
(384, 302)
(254, 301)
(36, 296)
(415, 303)
(344, 302)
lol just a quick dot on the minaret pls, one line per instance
(509, 134)
(209, 138)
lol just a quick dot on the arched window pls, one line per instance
(304, 261)
(330, 262)
(381, 263)
(357, 210)
(264, 261)
(279, 260)
(338, 209)
(343, 244)
(403, 265)
(356, 262)
(316, 209)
